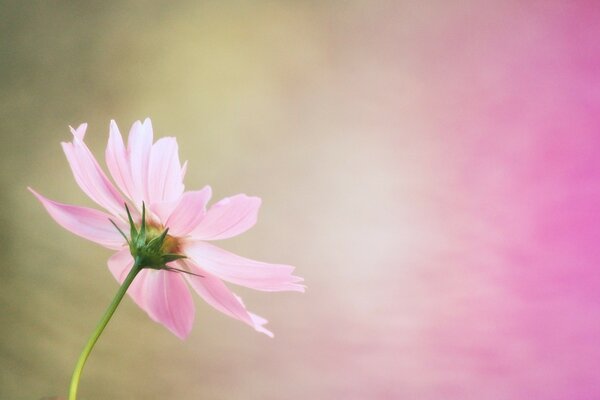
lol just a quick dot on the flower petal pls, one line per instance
(88, 223)
(242, 271)
(117, 161)
(139, 145)
(183, 170)
(259, 324)
(162, 210)
(169, 302)
(119, 265)
(165, 182)
(189, 211)
(154, 299)
(89, 176)
(228, 217)
(215, 293)
(79, 133)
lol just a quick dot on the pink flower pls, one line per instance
(151, 175)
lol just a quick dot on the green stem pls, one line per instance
(101, 325)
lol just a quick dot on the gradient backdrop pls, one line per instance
(431, 168)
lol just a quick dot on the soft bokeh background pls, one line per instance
(431, 168)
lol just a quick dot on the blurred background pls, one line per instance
(431, 168)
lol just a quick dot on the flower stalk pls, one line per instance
(100, 328)
(148, 251)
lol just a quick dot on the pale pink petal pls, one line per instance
(183, 170)
(242, 271)
(139, 145)
(169, 302)
(117, 161)
(259, 324)
(163, 209)
(89, 176)
(79, 133)
(119, 265)
(165, 182)
(228, 217)
(215, 293)
(189, 211)
(88, 223)
(257, 320)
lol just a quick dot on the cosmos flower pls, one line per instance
(151, 198)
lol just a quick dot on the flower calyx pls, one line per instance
(149, 246)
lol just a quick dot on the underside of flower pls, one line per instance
(150, 245)
(170, 245)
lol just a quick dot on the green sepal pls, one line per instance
(147, 246)
(141, 237)
(172, 257)
(120, 231)
(133, 231)
(183, 271)
(157, 242)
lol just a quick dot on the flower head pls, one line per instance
(169, 229)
